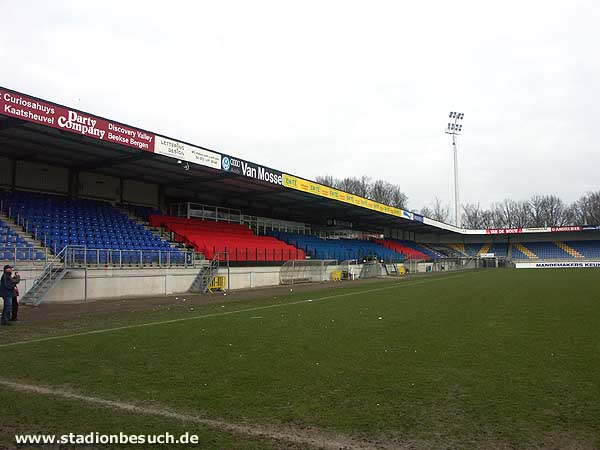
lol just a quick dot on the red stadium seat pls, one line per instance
(400, 248)
(237, 240)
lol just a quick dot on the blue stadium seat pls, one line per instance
(58, 221)
(338, 249)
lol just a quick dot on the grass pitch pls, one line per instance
(495, 359)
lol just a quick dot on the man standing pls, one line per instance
(15, 303)
(8, 282)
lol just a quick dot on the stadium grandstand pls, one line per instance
(86, 198)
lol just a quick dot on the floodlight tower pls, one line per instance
(455, 128)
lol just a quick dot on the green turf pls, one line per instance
(33, 414)
(497, 358)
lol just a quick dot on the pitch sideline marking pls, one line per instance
(227, 313)
(314, 439)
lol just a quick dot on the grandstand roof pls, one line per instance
(41, 131)
(37, 130)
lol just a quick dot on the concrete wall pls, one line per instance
(30, 175)
(139, 192)
(121, 283)
(5, 171)
(46, 178)
(28, 276)
(99, 186)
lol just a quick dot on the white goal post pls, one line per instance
(449, 264)
(306, 270)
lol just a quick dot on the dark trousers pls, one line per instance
(15, 308)
(6, 307)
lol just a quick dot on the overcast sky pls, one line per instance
(336, 87)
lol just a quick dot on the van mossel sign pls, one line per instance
(251, 170)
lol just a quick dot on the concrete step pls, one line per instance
(160, 232)
(19, 230)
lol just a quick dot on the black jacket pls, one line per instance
(8, 283)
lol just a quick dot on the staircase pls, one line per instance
(460, 248)
(207, 274)
(431, 249)
(485, 249)
(156, 231)
(525, 251)
(391, 270)
(162, 233)
(568, 249)
(373, 269)
(18, 228)
(55, 270)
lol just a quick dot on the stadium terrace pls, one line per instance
(99, 194)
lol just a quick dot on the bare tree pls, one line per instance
(379, 190)
(474, 217)
(398, 198)
(426, 211)
(586, 211)
(326, 180)
(357, 186)
(538, 211)
(521, 214)
(504, 213)
(548, 210)
(438, 211)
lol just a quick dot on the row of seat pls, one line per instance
(529, 250)
(410, 250)
(339, 249)
(58, 221)
(237, 241)
(556, 250)
(119, 257)
(21, 254)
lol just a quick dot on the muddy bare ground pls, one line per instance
(53, 319)
(49, 312)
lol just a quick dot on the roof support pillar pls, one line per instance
(162, 198)
(121, 186)
(13, 174)
(73, 187)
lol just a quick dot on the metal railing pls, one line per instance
(84, 257)
(53, 272)
(18, 254)
(208, 273)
